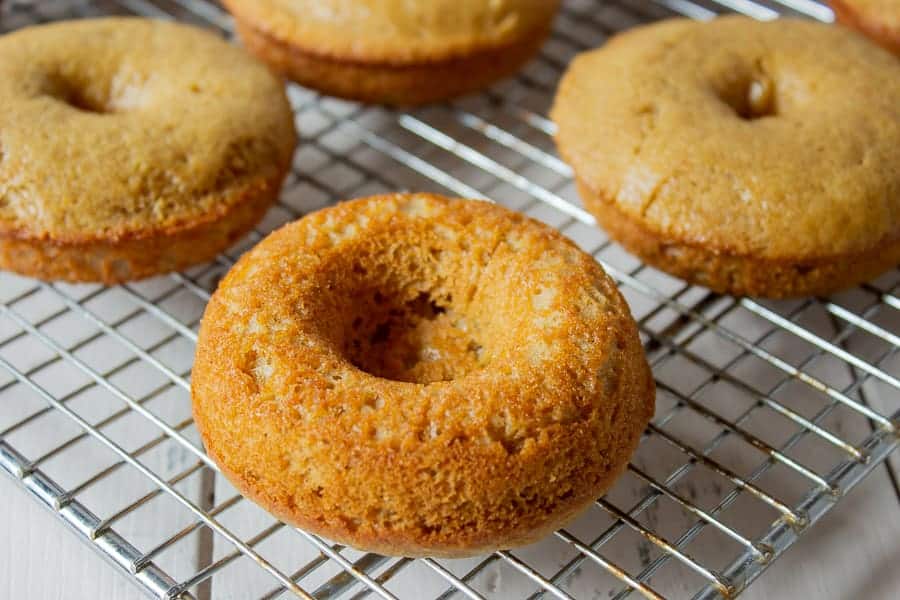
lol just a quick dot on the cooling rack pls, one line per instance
(768, 413)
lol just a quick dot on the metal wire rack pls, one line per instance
(767, 413)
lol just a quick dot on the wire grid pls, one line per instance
(768, 413)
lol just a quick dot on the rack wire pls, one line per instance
(768, 413)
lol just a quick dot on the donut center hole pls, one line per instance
(85, 103)
(419, 339)
(80, 95)
(754, 99)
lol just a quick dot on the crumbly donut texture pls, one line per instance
(877, 19)
(392, 51)
(751, 158)
(414, 375)
(131, 147)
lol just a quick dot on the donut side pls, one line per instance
(400, 84)
(638, 383)
(870, 25)
(739, 275)
(140, 254)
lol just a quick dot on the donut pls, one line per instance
(394, 52)
(751, 158)
(877, 19)
(420, 376)
(132, 147)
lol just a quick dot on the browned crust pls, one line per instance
(386, 83)
(112, 259)
(477, 542)
(251, 428)
(480, 542)
(736, 274)
(884, 35)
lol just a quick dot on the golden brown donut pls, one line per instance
(747, 157)
(877, 19)
(414, 375)
(132, 147)
(394, 51)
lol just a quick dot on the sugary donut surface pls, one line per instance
(122, 126)
(415, 375)
(760, 147)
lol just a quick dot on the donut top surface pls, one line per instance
(395, 31)
(410, 371)
(775, 139)
(117, 127)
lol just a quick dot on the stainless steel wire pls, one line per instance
(812, 364)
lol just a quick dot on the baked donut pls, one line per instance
(747, 157)
(414, 375)
(877, 19)
(132, 147)
(394, 51)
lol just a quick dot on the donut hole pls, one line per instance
(418, 339)
(83, 96)
(79, 100)
(413, 306)
(752, 98)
